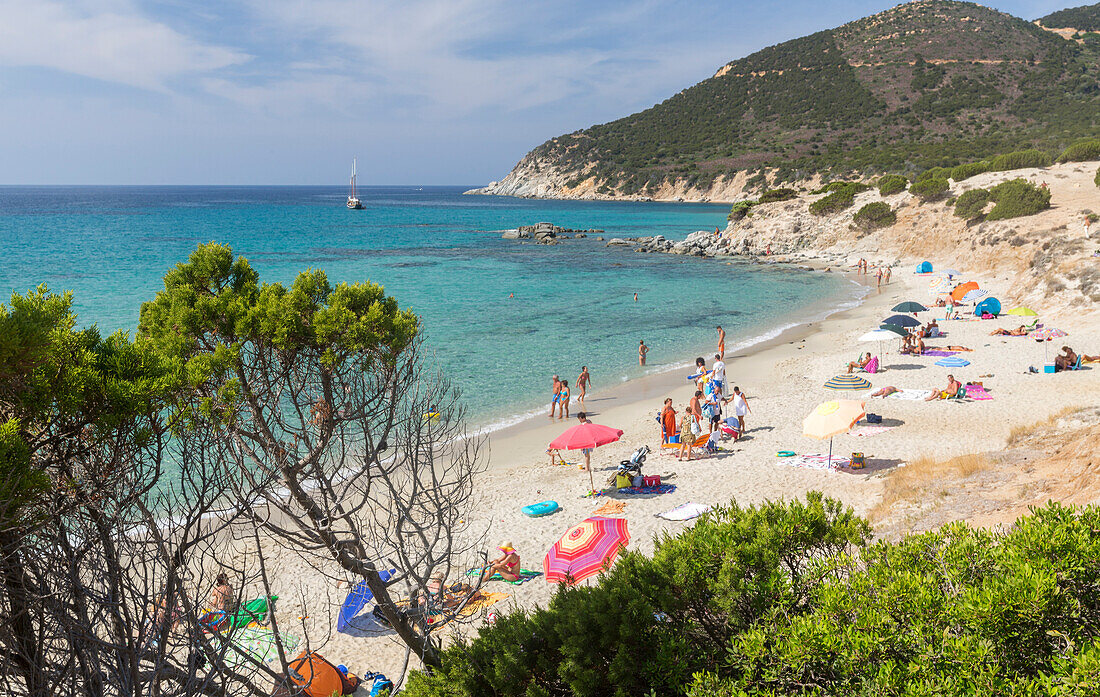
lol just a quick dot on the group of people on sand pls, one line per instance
(561, 394)
(702, 416)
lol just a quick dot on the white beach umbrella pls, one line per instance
(975, 295)
(949, 272)
(879, 335)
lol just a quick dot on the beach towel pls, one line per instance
(939, 353)
(977, 392)
(525, 575)
(254, 642)
(816, 461)
(871, 430)
(685, 511)
(639, 490)
(484, 600)
(610, 508)
(910, 395)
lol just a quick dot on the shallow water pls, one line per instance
(441, 255)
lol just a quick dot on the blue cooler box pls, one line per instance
(1048, 368)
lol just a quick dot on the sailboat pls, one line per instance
(353, 200)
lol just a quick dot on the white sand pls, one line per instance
(783, 383)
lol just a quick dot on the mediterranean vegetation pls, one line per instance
(875, 215)
(794, 598)
(929, 188)
(232, 410)
(1084, 150)
(1097, 178)
(892, 184)
(1012, 199)
(865, 98)
(1085, 18)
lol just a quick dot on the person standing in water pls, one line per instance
(635, 297)
(584, 381)
(642, 351)
(721, 343)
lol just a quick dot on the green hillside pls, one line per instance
(1084, 18)
(929, 83)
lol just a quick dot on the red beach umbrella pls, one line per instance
(586, 549)
(586, 435)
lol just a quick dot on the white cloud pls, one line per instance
(109, 41)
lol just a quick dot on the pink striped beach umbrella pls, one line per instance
(1046, 335)
(585, 549)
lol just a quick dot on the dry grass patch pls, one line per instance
(1019, 433)
(919, 477)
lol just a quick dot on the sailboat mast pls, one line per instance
(353, 163)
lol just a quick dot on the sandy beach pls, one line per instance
(782, 380)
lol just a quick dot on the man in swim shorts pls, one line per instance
(556, 396)
(721, 343)
(642, 351)
(718, 372)
(583, 381)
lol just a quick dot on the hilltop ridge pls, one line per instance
(928, 83)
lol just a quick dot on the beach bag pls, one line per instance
(874, 419)
(696, 429)
(623, 482)
(710, 410)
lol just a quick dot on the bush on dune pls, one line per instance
(874, 216)
(739, 210)
(1016, 198)
(786, 598)
(773, 195)
(841, 195)
(1097, 178)
(892, 184)
(971, 204)
(929, 189)
(1082, 151)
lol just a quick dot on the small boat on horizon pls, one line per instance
(353, 200)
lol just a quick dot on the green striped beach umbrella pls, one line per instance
(847, 382)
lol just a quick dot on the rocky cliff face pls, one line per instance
(1044, 259)
(542, 177)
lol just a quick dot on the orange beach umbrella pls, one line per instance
(963, 289)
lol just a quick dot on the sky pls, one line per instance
(288, 91)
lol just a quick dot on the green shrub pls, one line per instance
(892, 184)
(773, 195)
(929, 189)
(833, 203)
(1019, 160)
(874, 216)
(971, 204)
(854, 187)
(1096, 179)
(740, 209)
(934, 173)
(1017, 197)
(787, 599)
(1082, 151)
(971, 169)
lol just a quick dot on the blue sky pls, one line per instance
(286, 92)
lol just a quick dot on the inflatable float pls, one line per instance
(540, 509)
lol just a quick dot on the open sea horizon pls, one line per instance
(499, 316)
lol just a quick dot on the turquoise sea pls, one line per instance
(440, 253)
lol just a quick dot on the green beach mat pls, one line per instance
(525, 575)
(252, 611)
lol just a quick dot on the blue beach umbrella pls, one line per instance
(847, 382)
(901, 321)
(952, 362)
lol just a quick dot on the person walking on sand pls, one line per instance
(556, 396)
(563, 402)
(887, 278)
(740, 408)
(584, 381)
(587, 452)
(642, 351)
(879, 275)
(721, 342)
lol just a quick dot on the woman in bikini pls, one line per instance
(1019, 331)
(563, 400)
(507, 565)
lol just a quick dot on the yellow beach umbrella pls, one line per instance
(833, 418)
(1022, 312)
